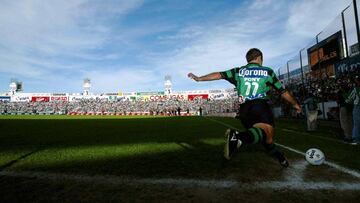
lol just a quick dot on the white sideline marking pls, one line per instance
(296, 174)
(343, 169)
(334, 165)
(309, 185)
(187, 183)
(118, 180)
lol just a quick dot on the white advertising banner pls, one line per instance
(20, 99)
(58, 98)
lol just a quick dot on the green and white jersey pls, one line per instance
(253, 81)
(354, 96)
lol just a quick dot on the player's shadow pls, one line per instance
(192, 160)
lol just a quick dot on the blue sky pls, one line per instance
(51, 46)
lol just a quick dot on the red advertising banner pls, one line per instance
(62, 98)
(193, 96)
(40, 99)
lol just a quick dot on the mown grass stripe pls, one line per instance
(317, 136)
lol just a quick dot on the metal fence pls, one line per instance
(329, 54)
(346, 24)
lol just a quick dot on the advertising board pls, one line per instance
(40, 99)
(58, 98)
(5, 98)
(194, 96)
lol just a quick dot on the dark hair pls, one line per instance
(252, 54)
(357, 78)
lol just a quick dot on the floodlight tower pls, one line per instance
(86, 86)
(168, 85)
(12, 87)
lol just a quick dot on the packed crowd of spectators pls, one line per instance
(170, 106)
(324, 88)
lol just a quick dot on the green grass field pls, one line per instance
(171, 159)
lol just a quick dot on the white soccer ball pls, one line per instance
(315, 156)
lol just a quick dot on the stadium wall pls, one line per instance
(327, 109)
(218, 94)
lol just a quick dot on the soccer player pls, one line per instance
(253, 83)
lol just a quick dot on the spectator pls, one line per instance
(355, 99)
(345, 110)
(311, 111)
(179, 111)
(92, 106)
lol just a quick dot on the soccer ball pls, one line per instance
(315, 156)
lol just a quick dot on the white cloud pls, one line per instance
(263, 24)
(261, 4)
(130, 79)
(307, 18)
(43, 35)
(222, 45)
(184, 34)
(48, 38)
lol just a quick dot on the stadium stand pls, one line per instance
(100, 105)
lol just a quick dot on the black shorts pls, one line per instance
(255, 111)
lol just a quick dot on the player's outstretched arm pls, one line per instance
(208, 77)
(289, 98)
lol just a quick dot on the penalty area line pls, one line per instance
(331, 164)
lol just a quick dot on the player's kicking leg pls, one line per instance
(235, 138)
(253, 135)
(274, 151)
(232, 143)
